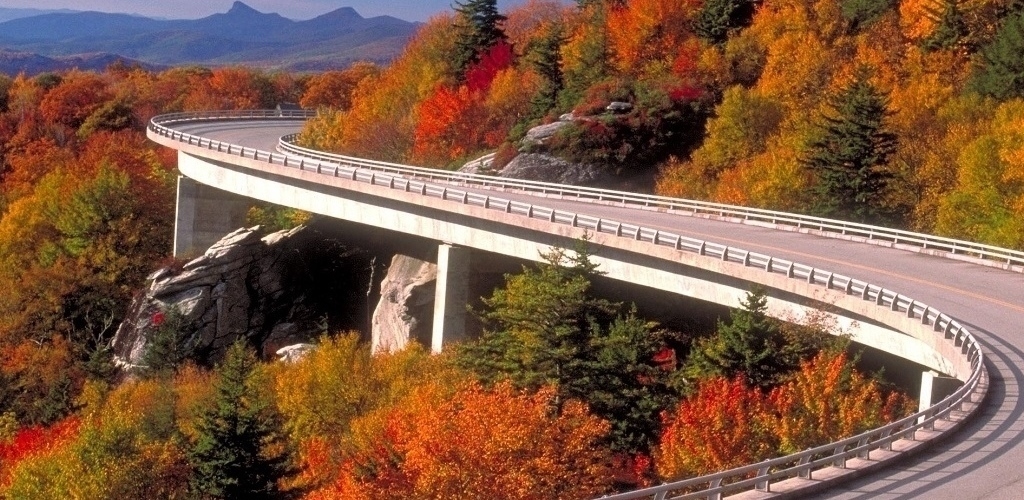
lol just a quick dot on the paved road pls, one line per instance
(986, 458)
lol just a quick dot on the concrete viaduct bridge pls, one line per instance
(953, 306)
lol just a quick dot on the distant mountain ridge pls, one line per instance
(242, 35)
(6, 13)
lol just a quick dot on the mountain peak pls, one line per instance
(239, 8)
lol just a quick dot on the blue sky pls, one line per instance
(410, 10)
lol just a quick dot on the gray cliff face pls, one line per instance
(406, 304)
(267, 289)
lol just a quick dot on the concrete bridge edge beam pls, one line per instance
(896, 334)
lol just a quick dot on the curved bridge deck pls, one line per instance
(983, 460)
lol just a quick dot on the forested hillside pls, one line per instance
(86, 212)
(906, 113)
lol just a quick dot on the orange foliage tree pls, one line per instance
(723, 424)
(334, 88)
(828, 400)
(480, 443)
(645, 35)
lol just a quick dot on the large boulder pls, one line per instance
(272, 290)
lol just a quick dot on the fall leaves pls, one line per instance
(726, 423)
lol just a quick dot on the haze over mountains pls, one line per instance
(242, 35)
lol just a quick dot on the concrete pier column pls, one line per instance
(451, 295)
(927, 390)
(203, 216)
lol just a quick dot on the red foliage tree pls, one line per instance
(480, 76)
(31, 441)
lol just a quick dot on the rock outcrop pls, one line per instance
(547, 168)
(406, 305)
(269, 289)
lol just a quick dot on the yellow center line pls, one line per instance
(716, 237)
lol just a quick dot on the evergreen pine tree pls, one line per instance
(166, 344)
(861, 13)
(950, 28)
(238, 453)
(750, 344)
(1002, 74)
(716, 18)
(593, 64)
(545, 55)
(478, 24)
(849, 156)
(545, 327)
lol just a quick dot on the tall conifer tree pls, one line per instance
(237, 454)
(546, 328)
(1002, 74)
(849, 156)
(478, 25)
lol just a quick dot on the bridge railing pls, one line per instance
(954, 409)
(1013, 259)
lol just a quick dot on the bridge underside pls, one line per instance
(459, 227)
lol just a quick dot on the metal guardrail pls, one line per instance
(755, 476)
(1013, 259)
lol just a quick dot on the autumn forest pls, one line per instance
(907, 114)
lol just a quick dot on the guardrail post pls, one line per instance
(840, 460)
(895, 302)
(810, 276)
(746, 259)
(864, 453)
(575, 219)
(637, 235)
(828, 281)
(703, 248)
(618, 229)
(910, 309)
(508, 207)
(678, 240)
(768, 265)
(805, 472)
(725, 254)
(763, 485)
(551, 216)
(789, 270)
(716, 483)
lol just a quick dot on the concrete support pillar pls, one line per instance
(927, 390)
(203, 216)
(451, 295)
